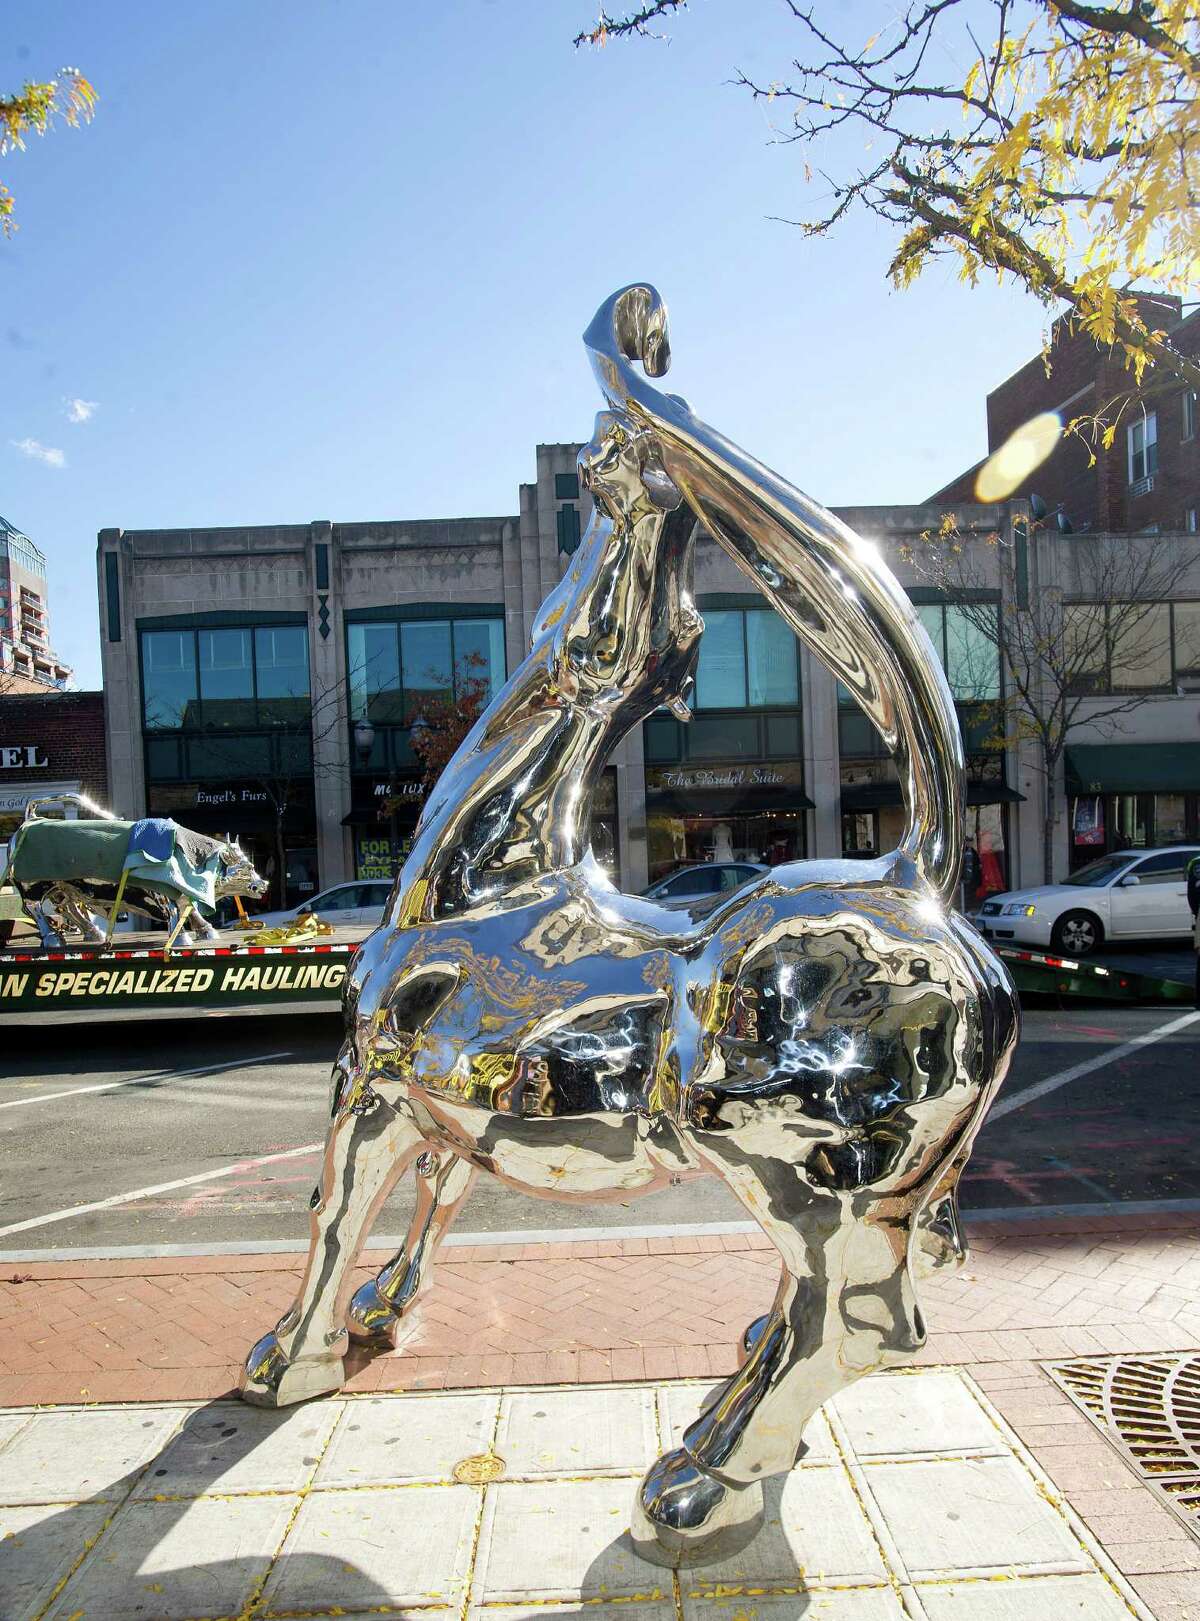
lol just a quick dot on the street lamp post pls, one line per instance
(364, 743)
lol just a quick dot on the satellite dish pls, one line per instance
(1037, 506)
(1065, 526)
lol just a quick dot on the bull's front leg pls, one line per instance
(370, 1143)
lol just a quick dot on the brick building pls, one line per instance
(50, 743)
(1150, 478)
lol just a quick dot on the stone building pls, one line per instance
(238, 664)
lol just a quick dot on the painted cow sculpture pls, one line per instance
(66, 871)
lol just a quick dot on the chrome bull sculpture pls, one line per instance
(826, 1042)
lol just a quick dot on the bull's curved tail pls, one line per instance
(832, 587)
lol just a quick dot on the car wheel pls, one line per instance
(1077, 934)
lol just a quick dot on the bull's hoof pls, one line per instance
(372, 1319)
(269, 1379)
(684, 1516)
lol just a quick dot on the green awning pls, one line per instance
(1134, 768)
(865, 796)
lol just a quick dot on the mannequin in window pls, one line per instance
(722, 842)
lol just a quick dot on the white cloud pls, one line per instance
(80, 410)
(40, 452)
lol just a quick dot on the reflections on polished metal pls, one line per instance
(827, 1041)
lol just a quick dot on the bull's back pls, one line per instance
(71, 851)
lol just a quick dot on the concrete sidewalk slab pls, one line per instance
(194, 1513)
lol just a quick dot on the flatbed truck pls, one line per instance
(137, 973)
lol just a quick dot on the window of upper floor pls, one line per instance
(965, 638)
(749, 659)
(397, 668)
(1141, 439)
(207, 678)
(1132, 647)
(1189, 414)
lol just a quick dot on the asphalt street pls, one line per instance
(227, 1110)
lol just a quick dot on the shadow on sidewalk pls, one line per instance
(32, 1558)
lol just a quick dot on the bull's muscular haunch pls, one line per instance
(827, 1041)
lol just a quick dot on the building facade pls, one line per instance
(239, 665)
(1148, 480)
(28, 663)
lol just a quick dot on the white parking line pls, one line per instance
(1064, 1076)
(135, 1080)
(161, 1187)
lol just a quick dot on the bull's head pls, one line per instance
(236, 874)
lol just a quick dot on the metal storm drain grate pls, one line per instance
(1149, 1407)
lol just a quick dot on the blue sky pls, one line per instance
(332, 258)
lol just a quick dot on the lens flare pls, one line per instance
(1025, 449)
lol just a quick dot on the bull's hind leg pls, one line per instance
(938, 1238)
(369, 1144)
(844, 1307)
(444, 1180)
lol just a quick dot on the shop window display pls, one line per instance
(679, 839)
(1102, 823)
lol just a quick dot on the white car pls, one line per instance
(1132, 894)
(701, 888)
(361, 902)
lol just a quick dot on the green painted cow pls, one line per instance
(64, 871)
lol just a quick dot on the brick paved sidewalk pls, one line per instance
(564, 1313)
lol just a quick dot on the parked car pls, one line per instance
(699, 889)
(1131, 894)
(344, 903)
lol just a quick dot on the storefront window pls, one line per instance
(1115, 822)
(985, 854)
(168, 678)
(1170, 818)
(680, 839)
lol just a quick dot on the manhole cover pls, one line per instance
(1149, 1407)
(475, 1471)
